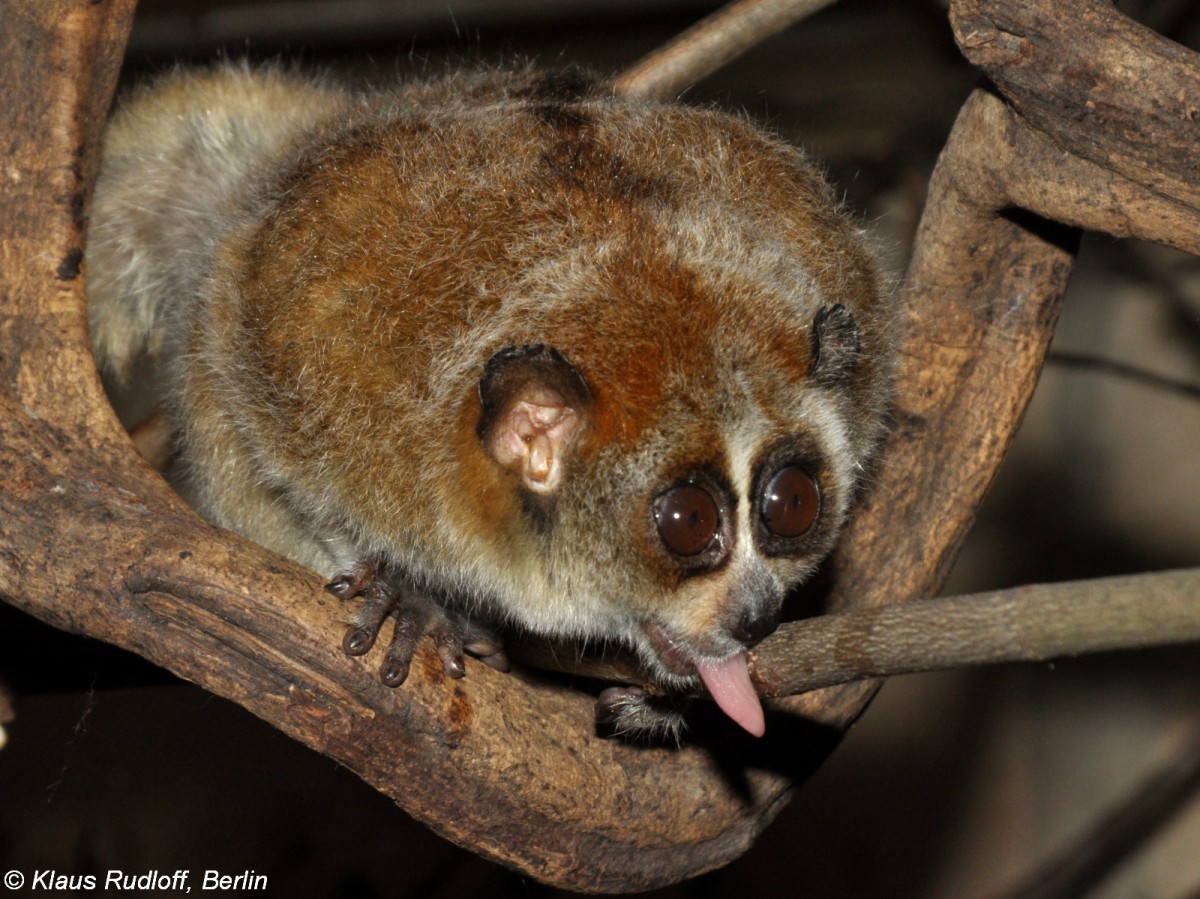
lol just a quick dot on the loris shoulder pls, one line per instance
(499, 350)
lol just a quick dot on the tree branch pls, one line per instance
(1096, 83)
(1129, 373)
(1087, 860)
(710, 44)
(1025, 624)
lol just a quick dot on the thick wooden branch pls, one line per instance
(977, 247)
(92, 541)
(1096, 83)
(1069, 189)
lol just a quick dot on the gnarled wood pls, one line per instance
(1099, 85)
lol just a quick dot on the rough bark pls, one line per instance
(1099, 85)
(92, 541)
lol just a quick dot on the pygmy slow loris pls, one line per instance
(501, 349)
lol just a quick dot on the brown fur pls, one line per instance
(325, 307)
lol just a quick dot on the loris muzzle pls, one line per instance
(499, 351)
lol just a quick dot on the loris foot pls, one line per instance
(638, 715)
(416, 615)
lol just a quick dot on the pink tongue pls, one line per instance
(729, 683)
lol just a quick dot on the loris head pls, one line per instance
(683, 475)
(683, 389)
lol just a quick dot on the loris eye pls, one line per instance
(687, 519)
(790, 503)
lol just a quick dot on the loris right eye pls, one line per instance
(687, 519)
(790, 502)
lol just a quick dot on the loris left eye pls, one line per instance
(688, 519)
(790, 502)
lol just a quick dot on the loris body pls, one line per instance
(501, 348)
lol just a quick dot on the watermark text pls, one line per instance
(118, 881)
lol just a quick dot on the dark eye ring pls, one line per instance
(790, 502)
(688, 519)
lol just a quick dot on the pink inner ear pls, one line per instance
(534, 436)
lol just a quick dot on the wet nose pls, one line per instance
(753, 628)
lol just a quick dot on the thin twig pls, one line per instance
(6, 714)
(1091, 857)
(709, 44)
(1126, 372)
(1025, 624)
(1165, 280)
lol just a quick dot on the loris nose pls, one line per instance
(753, 628)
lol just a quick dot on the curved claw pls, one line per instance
(497, 661)
(485, 646)
(358, 640)
(450, 651)
(393, 672)
(355, 581)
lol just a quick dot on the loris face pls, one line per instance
(682, 484)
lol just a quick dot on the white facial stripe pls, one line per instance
(821, 411)
(744, 441)
(741, 443)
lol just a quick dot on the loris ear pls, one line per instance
(835, 345)
(535, 407)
